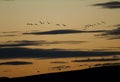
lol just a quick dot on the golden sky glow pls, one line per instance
(15, 14)
(21, 27)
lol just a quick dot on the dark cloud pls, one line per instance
(65, 42)
(118, 25)
(63, 67)
(109, 5)
(19, 43)
(55, 32)
(59, 62)
(8, 0)
(107, 49)
(112, 34)
(39, 43)
(15, 63)
(10, 32)
(107, 64)
(97, 60)
(6, 53)
(10, 35)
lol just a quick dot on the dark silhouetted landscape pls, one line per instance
(104, 73)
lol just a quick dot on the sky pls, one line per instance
(16, 15)
(34, 29)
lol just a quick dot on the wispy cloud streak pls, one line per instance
(6, 53)
(15, 63)
(109, 5)
(112, 34)
(56, 32)
(37, 43)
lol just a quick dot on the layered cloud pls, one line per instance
(15, 63)
(36, 43)
(112, 34)
(65, 31)
(109, 5)
(6, 53)
(10, 35)
(19, 43)
(8, 0)
(98, 60)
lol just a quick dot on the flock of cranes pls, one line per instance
(41, 22)
(64, 25)
(93, 25)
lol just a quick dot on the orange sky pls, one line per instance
(15, 14)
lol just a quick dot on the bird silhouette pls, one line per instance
(86, 26)
(64, 25)
(29, 24)
(48, 22)
(58, 24)
(103, 22)
(41, 22)
(36, 24)
(98, 23)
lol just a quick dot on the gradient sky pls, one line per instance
(24, 45)
(75, 13)
(15, 14)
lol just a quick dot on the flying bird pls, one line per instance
(29, 24)
(64, 25)
(86, 26)
(58, 24)
(48, 22)
(36, 24)
(41, 22)
(103, 22)
(98, 23)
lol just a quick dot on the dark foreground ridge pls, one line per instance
(98, 74)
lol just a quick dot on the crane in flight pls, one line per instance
(64, 25)
(36, 24)
(41, 22)
(29, 24)
(103, 22)
(48, 22)
(57, 24)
